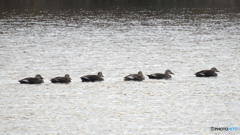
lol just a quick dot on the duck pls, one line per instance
(207, 73)
(165, 75)
(65, 79)
(93, 78)
(135, 77)
(32, 80)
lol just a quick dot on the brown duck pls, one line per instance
(166, 75)
(135, 77)
(207, 73)
(65, 79)
(32, 80)
(92, 78)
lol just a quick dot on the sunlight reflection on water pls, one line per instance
(79, 42)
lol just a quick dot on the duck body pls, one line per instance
(65, 79)
(207, 73)
(32, 80)
(135, 77)
(92, 78)
(161, 75)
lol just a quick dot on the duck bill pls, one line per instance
(217, 71)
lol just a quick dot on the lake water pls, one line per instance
(78, 41)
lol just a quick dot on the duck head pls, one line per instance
(214, 69)
(140, 73)
(39, 76)
(68, 76)
(169, 72)
(100, 74)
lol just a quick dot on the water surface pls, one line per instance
(79, 41)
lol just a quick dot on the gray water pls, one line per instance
(80, 42)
